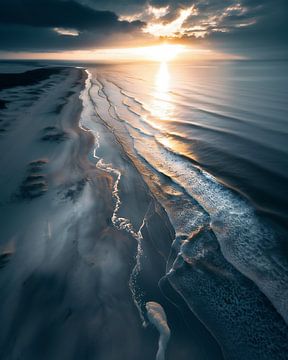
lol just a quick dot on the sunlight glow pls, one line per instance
(172, 29)
(160, 53)
(162, 107)
(162, 79)
(163, 52)
(158, 12)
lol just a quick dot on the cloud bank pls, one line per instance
(58, 25)
(237, 26)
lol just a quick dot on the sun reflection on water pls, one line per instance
(162, 103)
(162, 78)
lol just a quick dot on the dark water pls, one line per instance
(228, 117)
(210, 143)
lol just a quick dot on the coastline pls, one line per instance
(87, 245)
(65, 268)
(140, 213)
(182, 263)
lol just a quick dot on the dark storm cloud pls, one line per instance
(266, 38)
(30, 24)
(27, 38)
(57, 13)
(120, 7)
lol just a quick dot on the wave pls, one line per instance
(199, 149)
(231, 306)
(148, 127)
(248, 245)
(231, 217)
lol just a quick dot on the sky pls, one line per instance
(85, 28)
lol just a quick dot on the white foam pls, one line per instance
(246, 240)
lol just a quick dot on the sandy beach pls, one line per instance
(64, 267)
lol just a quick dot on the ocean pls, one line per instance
(210, 141)
(228, 118)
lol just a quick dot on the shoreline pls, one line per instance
(71, 247)
(181, 261)
(87, 243)
(157, 235)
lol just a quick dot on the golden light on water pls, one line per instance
(162, 107)
(162, 79)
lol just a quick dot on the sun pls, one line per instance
(163, 52)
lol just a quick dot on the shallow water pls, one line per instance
(210, 143)
(230, 118)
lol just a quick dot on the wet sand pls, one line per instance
(65, 269)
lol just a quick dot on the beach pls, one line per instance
(114, 247)
(65, 267)
(61, 293)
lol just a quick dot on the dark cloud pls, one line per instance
(30, 25)
(27, 38)
(59, 13)
(266, 38)
(120, 6)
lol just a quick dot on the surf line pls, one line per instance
(118, 222)
(155, 313)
